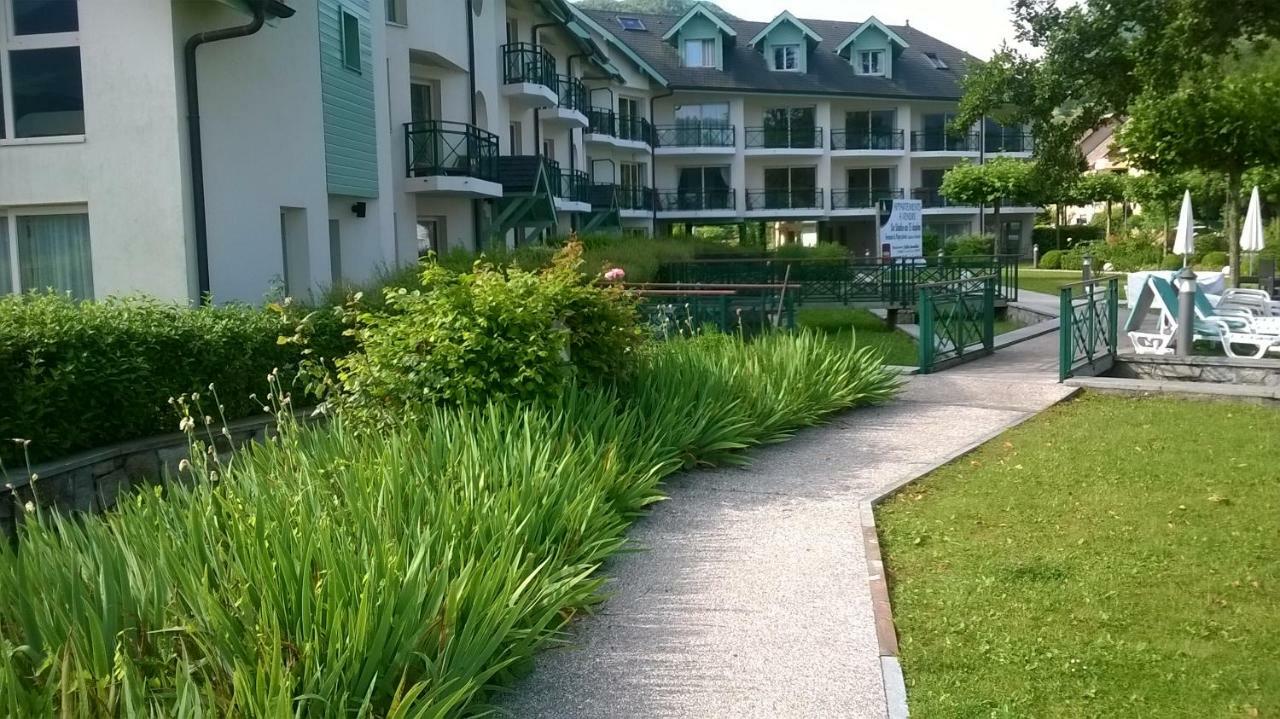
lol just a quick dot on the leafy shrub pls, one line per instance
(967, 245)
(1171, 262)
(399, 574)
(77, 375)
(1047, 235)
(821, 251)
(487, 335)
(931, 243)
(1051, 260)
(1214, 260)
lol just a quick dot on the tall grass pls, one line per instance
(404, 574)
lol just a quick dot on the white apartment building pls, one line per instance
(326, 140)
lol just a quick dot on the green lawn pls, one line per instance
(1114, 557)
(899, 347)
(1050, 281)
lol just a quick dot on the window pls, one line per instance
(46, 251)
(871, 130)
(869, 184)
(936, 61)
(515, 139)
(631, 23)
(422, 107)
(703, 125)
(397, 12)
(430, 235)
(700, 53)
(42, 92)
(786, 57)
(790, 187)
(949, 230)
(792, 127)
(629, 119)
(633, 174)
(513, 31)
(704, 188)
(350, 41)
(549, 149)
(871, 62)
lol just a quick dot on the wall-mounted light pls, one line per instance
(359, 209)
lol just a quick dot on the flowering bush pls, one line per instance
(616, 274)
(490, 334)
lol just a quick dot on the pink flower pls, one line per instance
(615, 274)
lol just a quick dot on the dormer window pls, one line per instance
(786, 58)
(936, 61)
(700, 53)
(871, 62)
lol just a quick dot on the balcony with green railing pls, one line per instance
(529, 76)
(812, 198)
(571, 106)
(943, 141)
(696, 200)
(864, 141)
(932, 198)
(695, 137)
(782, 137)
(861, 199)
(575, 186)
(438, 148)
(602, 122)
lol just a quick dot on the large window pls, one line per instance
(788, 187)
(700, 53)
(41, 92)
(43, 251)
(703, 125)
(350, 41)
(397, 12)
(704, 188)
(790, 127)
(786, 57)
(871, 130)
(871, 182)
(871, 62)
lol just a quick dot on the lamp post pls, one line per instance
(1086, 271)
(1035, 255)
(1186, 283)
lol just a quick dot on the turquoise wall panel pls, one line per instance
(350, 142)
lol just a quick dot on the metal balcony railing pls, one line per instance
(933, 197)
(635, 197)
(601, 121)
(575, 186)
(573, 94)
(637, 129)
(695, 135)
(807, 199)
(696, 200)
(526, 62)
(1009, 142)
(554, 177)
(783, 138)
(865, 140)
(438, 147)
(940, 141)
(862, 199)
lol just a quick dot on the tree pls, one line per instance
(1107, 187)
(999, 181)
(1154, 191)
(1212, 121)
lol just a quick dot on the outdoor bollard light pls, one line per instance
(1186, 282)
(1086, 269)
(1035, 255)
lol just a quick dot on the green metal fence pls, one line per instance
(858, 281)
(675, 312)
(957, 321)
(1088, 327)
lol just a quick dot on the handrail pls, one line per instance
(956, 320)
(440, 147)
(765, 199)
(527, 62)
(1088, 326)
(867, 139)
(695, 135)
(942, 141)
(782, 138)
(844, 199)
(696, 200)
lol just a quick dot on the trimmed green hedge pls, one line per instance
(1051, 260)
(1047, 236)
(1214, 260)
(77, 375)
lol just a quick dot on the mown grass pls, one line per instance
(898, 347)
(1115, 557)
(1050, 281)
(402, 573)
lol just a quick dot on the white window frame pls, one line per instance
(9, 218)
(706, 45)
(10, 42)
(397, 13)
(790, 53)
(871, 62)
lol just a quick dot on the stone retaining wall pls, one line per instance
(93, 481)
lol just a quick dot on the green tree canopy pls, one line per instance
(995, 183)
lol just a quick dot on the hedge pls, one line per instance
(1051, 260)
(1047, 236)
(78, 375)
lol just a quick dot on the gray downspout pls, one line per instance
(653, 161)
(471, 81)
(193, 135)
(537, 115)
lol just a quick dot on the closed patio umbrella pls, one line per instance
(1184, 242)
(1251, 239)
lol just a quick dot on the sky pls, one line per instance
(975, 26)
